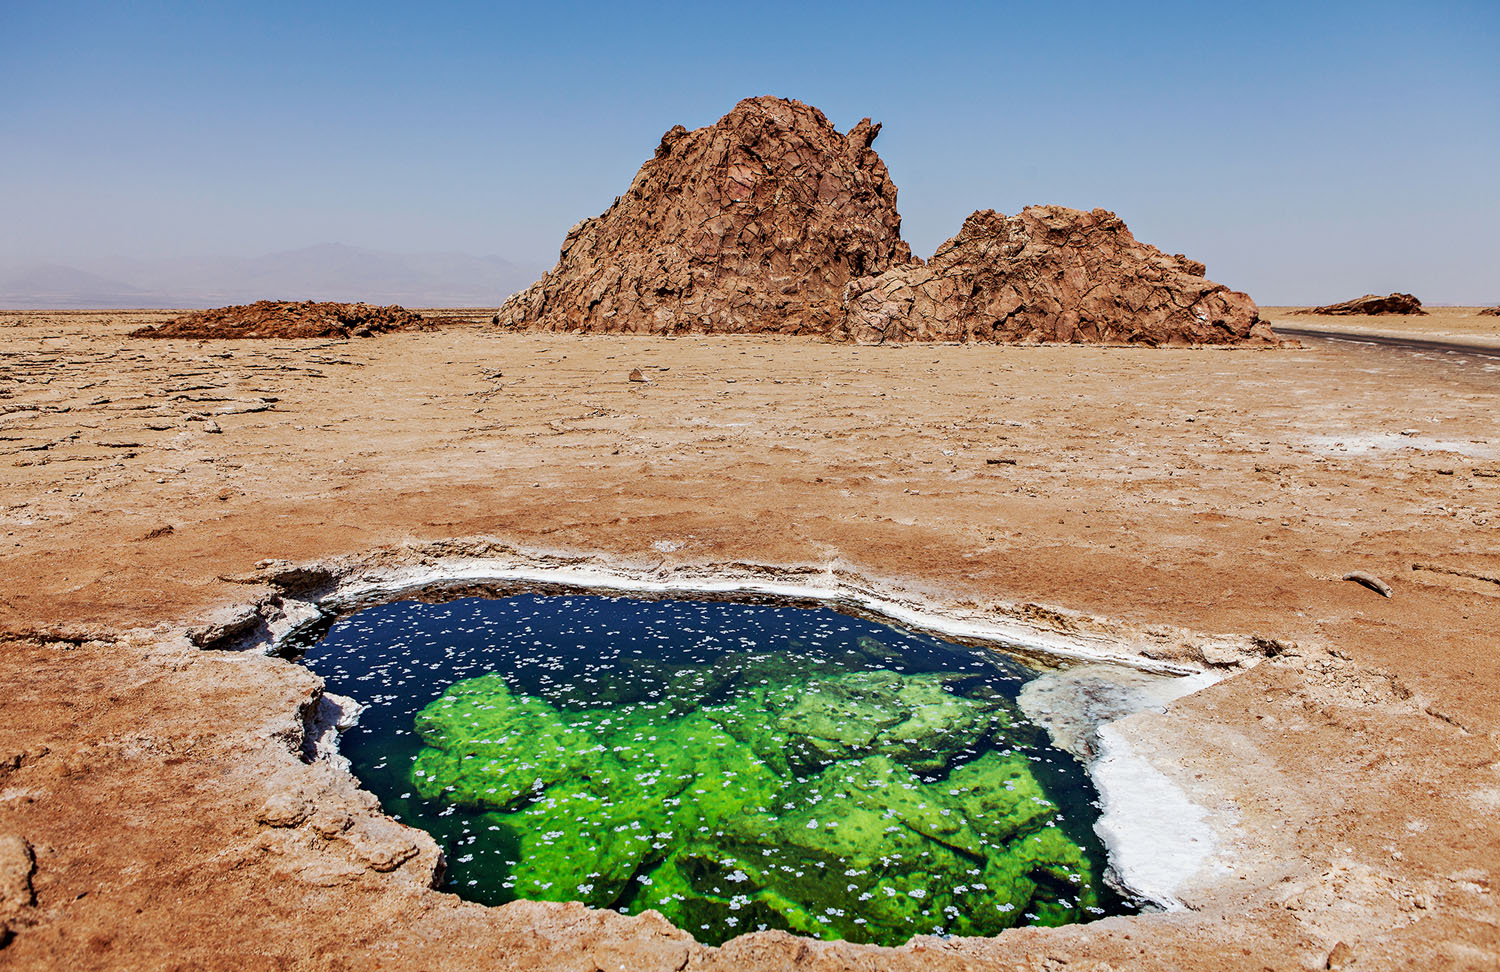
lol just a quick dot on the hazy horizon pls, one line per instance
(1305, 154)
(327, 271)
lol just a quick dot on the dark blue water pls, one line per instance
(648, 681)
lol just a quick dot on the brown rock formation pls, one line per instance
(753, 224)
(1490, 311)
(1050, 274)
(287, 319)
(1370, 304)
(771, 221)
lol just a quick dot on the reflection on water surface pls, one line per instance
(734, 766)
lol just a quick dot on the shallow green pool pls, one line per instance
(734, 766)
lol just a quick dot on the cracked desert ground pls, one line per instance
(1353, 778)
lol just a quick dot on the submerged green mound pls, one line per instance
(866, 805)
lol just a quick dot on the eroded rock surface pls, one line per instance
(1370, 304)
(287, 319)
(1049, 274)
(770, 220)
(753, 224)
(1490, 311)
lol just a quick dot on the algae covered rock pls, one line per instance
(487, 747)
(807, 724)
(754, 792)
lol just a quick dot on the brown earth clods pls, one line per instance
(1369, 305)
(771, 221)
(1051, 274)
(17, 865)
(288, 319)
(753, 224)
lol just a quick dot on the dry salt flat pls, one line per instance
(1164, 506)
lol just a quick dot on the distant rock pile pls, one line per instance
(288, 319)
(1490, 311)
(770, 220)
(1370, 304)
(1050, 274)
(755, 223)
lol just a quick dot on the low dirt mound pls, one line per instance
(1050, 274)
(1370, 304)
(288, 319)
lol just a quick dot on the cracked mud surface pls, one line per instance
(1353, 777)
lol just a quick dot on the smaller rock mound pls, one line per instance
(1370, 304)
(1050, 274)
(1490, 311)
(288, 319)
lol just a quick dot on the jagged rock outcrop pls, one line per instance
(1050, 274)
(753, 224)
(1370, 304)
(1490, 311)
(288, 319)
(771, 221)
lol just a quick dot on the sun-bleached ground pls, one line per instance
(1354, 778)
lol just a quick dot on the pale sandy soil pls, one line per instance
(1354, 779)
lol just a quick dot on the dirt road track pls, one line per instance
(1399, 343)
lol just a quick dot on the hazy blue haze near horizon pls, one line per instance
(1306, 152)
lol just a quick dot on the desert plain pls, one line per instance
(1192, 507)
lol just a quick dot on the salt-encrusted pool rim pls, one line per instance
(386, 584)
(1148, 862)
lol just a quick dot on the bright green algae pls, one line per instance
(765, 791)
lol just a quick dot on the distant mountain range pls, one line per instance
(330, 271)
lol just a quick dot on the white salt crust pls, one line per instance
(1080, 647)
(1157, 838)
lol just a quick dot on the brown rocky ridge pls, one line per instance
(1490, 311)
(771, 221)
(1050, 274)
(288, 319)
(1370, 304)
(753, 224)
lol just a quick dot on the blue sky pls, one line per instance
(1305, 151)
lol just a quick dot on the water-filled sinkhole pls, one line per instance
(734, 766)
